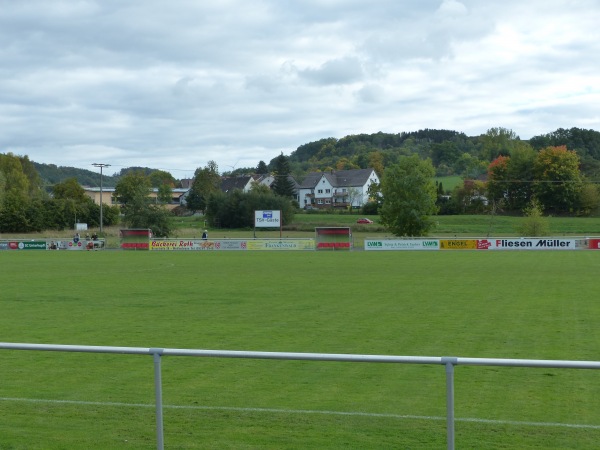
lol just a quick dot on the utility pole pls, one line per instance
(101, 165)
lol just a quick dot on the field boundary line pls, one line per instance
(304, 411)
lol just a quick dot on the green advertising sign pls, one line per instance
(33, 245)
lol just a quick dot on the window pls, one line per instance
(327, 201)
(320, 191)
(327, 191)
(319, 202)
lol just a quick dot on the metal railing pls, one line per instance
(448, 362)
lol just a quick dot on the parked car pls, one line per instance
(364, 220)
(309, 207)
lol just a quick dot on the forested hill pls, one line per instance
(452, 152)
(52, 174)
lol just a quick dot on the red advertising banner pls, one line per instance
(594, 244)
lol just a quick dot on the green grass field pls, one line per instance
(537, 305)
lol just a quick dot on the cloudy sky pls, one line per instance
(174, 84)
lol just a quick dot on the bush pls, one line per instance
(534, 224)
(369, 209)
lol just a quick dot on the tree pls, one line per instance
(497, 184)
(132, 187)
(446, 152)
(353, 194)
(70, 189)
(534, 224)
(262, 168)
(13, 217)
(345, 164)
(236, 209)
(374, 193)
(164, 194)
(164, 182)
(469, 166)
(589, 199)
(161, 177)
(496, 142)
(520, 175)
(283, 185)
(133, 191)
(409, 197)
(16, 182)
(206, 182)
(376, 162)
(558, 182)
(467, 198)
(16, 196)
(259, 188)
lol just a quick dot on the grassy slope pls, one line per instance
(502, 304)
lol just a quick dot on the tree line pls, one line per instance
(25, 206)
(501, 173)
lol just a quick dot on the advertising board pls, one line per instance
(267, 219)
(230, 244)
(459, 244)
(28, 245)
(196, 244)
(534, 244)
(594, 244)
(282, 244)
(402, 244)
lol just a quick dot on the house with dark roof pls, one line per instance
(242, 183)
(336, 189)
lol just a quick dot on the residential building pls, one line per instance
(242, 183)
(108, 197)
(336, 189)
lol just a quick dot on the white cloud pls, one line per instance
(452, 8)
(175, 84)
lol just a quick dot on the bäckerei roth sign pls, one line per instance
(267, 219)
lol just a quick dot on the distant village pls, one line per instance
(318, 190)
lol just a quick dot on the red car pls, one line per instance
(364, 220)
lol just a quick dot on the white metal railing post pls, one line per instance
(449, 362)
(156, 353)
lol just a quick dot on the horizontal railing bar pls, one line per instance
(340, 357)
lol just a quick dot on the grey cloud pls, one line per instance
(188, 81)
(337, 71)
(371, 93)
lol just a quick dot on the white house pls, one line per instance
(336, 189)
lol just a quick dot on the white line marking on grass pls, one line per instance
(304, 411)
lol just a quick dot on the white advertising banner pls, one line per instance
(196, 244)
(479, 244)
(230, 244)
(402, 244)
(533, 244)
(267, 219)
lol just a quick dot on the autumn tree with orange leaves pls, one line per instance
(551, 176)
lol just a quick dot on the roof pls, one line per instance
(229, 184)
(354, 177)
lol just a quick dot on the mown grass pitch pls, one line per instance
(538, 305)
